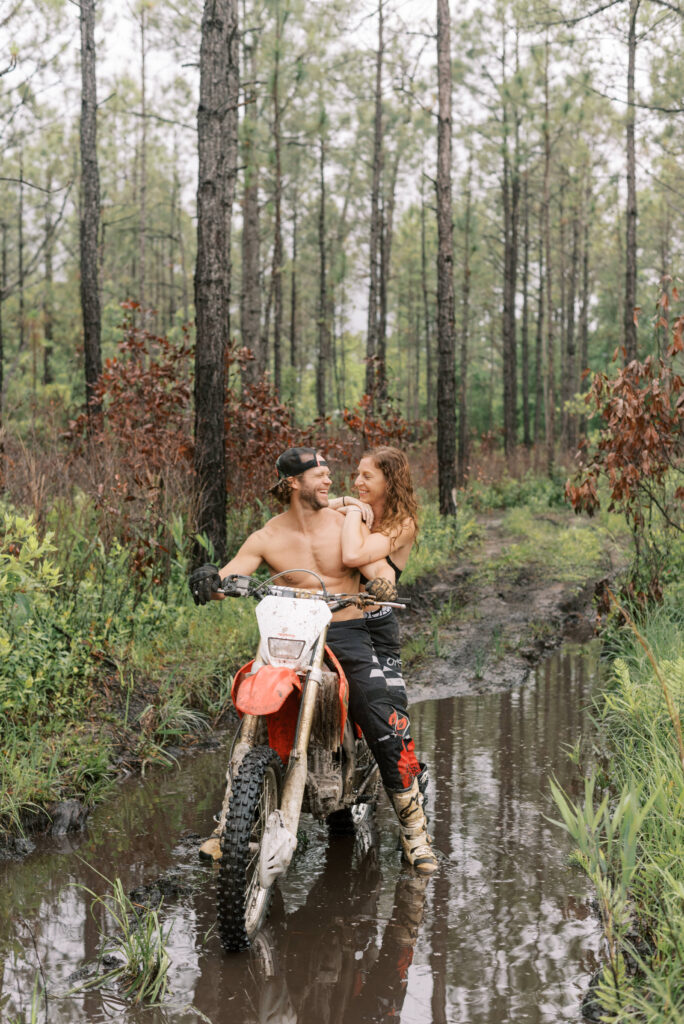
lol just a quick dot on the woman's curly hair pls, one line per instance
(400, 501)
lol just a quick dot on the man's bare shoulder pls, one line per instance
(276, 524)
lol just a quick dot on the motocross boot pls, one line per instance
(423, 783)
(211, 847)
(416, 844)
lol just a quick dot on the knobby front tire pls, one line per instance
(243, 905)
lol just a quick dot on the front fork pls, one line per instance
(297, 768)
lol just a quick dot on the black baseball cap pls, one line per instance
(295, 461)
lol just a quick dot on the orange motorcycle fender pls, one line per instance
(265, 691)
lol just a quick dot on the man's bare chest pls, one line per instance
(292, 551)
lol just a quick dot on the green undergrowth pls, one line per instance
(629, 829)
(440, 540)
(564, 546)
(530, 489)
(98, 668)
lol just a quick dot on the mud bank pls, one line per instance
(481, 626)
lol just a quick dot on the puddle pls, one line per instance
(503, 933)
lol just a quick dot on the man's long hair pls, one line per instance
(400, 500)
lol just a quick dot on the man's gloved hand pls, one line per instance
(204, 582)
(382, 589)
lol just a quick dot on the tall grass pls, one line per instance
(638, 868)
(139, 946)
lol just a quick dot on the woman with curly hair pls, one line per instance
(383, 533)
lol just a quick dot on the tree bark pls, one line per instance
(462, 467)
(630, 328)
(250, 291)
(548, 354)
(386, 230)
(293, 303)
(511, 207)
(323, 360)
(446, 385)
(90, 211)
(569, 421)
(525, 325)
(142, 267)
(375, 226)
(48, 297)
(277, 268)
(426, 296)
(584, 309)
(20, 254)
(217, 141)
(539, 349)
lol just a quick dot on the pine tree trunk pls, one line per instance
(426, 300)
(584, 311)
(539, 350)
(570, 377)
(630, 328)
(217, 142)
(20, 255)
(293, 303)
(250, 291)
(386, 230)
(375, 225)
(48, 299)
(90, 211)
(525, 326)
(277, 267)
(185, 299)
(548, 354)
(323, 361)
(142, 268)
(446, 385)
(511, 205)
(663, 330)
(462, 462)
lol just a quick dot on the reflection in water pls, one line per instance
(503, 932)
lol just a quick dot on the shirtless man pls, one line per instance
(308, 534)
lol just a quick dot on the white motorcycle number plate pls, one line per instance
(291, 618)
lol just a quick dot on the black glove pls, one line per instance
(381, 589)
(204, 582)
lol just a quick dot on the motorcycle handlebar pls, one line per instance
(236, 585)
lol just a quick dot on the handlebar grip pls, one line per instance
(236, 585)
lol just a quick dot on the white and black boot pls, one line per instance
(416, 844)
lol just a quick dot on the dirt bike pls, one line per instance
(296, 749)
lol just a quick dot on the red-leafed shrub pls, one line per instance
(639, 455)
(137, 462)
(374, 424)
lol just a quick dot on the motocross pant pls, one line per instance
(383, 627)
(385, 726)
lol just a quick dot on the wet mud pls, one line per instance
(503, 932)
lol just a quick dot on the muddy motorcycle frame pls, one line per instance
(296, 749)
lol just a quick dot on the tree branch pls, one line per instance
(583, 17)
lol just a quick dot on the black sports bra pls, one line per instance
(397, 570)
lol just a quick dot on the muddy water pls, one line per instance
(501, 935)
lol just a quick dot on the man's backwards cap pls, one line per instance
(295, 461)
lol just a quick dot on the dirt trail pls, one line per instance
(468, 632)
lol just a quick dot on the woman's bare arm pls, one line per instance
(360, 546)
